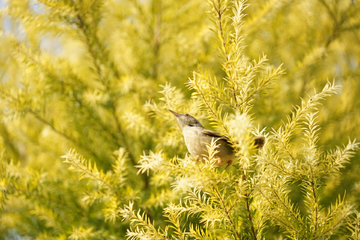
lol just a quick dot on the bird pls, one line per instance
(197, 138)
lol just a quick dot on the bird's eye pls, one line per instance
(191, 125)
(187, 115)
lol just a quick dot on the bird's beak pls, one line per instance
(175, 113)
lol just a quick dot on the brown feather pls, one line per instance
(259, 142)
(216, 135)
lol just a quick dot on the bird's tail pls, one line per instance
(259, 142)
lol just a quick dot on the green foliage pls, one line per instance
(90, 151)
(353, 226)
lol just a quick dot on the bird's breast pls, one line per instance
(195, 143)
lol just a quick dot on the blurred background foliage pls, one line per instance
(86, 75)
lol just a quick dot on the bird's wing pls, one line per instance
(216, 135)
(259, 141)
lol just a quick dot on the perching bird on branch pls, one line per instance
(197, 138)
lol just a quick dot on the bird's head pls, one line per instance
(185, 120)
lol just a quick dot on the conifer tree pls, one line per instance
(90, 151)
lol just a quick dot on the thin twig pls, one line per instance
(226, 212)
(249, 216)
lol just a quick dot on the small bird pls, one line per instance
(197, 137)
